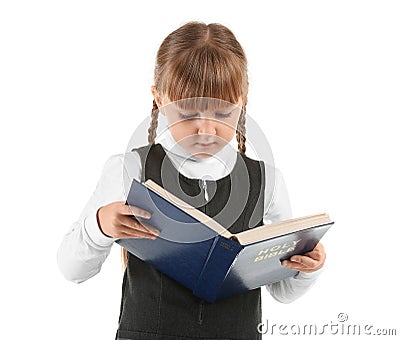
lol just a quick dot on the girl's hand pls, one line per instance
(115, 220)
(309, 262)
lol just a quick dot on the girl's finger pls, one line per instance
(131, 233)
(133, 223)
(296, 266)
(305, 261)
(314, 254)
(318, 253)
(136, 211)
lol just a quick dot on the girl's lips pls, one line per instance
(205, 145)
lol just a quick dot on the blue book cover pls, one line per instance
(202, 255)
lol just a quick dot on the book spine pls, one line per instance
(218, 263)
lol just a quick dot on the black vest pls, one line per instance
(154, 306)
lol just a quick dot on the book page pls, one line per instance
(192, 211)
(268, 231)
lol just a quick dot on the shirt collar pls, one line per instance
(213, 167)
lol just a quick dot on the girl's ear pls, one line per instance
(156, 96)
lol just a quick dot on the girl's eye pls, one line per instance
(217, 114)
(188, 116)
(223, 115)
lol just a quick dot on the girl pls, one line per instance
(196, 60)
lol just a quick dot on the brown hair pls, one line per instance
(199, 60)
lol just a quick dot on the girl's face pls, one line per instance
(205, 128)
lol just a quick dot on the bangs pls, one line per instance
(205, 72)
(204, 104)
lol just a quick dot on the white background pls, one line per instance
(75, 82)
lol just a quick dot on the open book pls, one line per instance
(205, 257)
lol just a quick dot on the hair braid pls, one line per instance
(153, 124)
(241, 132)
(151, 139)
(124, 257)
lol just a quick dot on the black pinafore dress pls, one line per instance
(154, 306)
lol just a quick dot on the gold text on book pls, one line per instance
(279, 249)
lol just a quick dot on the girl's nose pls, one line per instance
(206, 126)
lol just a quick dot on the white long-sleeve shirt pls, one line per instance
(84, 247)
